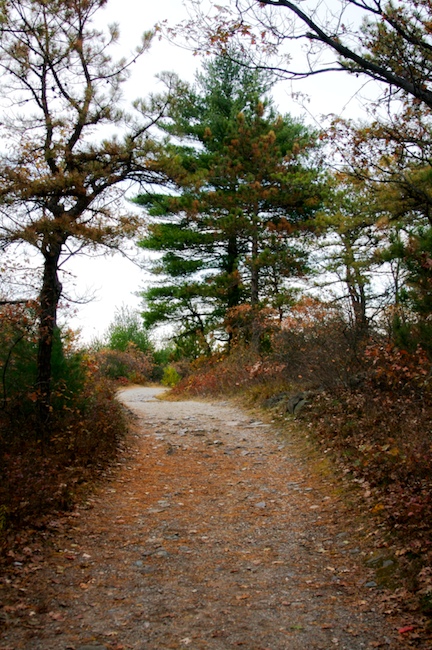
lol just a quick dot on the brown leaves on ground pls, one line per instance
(212, 532)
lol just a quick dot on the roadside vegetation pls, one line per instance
(44, 475)
(41, 475)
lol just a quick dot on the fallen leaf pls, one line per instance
(405, 629)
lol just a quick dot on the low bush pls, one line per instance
(217, 374)
(86, 427)
(316, 346)
(170, 377)
(131, 365)
(382, 436)
(38, 478)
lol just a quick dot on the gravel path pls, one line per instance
(212, 533)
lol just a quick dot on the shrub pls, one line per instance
(251, 325)
(36, 478)
(132, 365)
(392, 368)
(223, 372)
(380, 432)
(126, 329)
(86, 425)
(170, 377)
(316, 346)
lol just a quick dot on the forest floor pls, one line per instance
(213, 531)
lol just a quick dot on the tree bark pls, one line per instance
(256, 333)
(254, 268)
(231, 269)
(48, 298)
(233, 297)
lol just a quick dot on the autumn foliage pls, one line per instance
(381, 433)
(125, 366)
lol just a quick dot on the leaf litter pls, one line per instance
(191, 542)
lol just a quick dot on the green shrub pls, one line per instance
(128, 328)
(170, 377)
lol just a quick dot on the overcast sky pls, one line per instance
(114, 281)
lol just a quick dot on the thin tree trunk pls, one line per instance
(356, 292)
(233, 297)
(233, 292)
(255, 334)
(254, 271)
(49, 298)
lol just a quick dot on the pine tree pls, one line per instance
(60, 182)
(245, 189)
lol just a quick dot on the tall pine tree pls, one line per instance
(245, 189)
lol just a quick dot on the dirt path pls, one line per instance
(210, 534)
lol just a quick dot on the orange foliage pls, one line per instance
(307, 313)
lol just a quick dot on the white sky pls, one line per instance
(114, 281)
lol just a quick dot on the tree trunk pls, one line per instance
(357, 296)
(230, 267)
(356, 292)
(233, 297)
(254, 271)
(256, 332)
(48, 298)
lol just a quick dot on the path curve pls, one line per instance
(211, 534)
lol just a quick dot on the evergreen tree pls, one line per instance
(127, 329)
(245, 187)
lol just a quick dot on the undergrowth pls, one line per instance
(43, 475)
(41, 478)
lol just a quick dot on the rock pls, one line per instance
(380, 561)
(296, 403)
